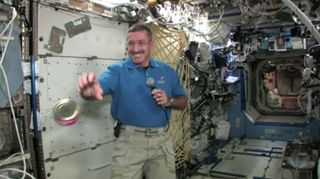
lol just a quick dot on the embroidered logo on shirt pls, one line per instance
(161, 81)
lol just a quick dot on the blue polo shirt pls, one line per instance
(132, 101)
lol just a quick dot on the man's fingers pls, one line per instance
(89, 86)
(91, 78)
(155, 91)
(80, 83)
(83, 81)
(98, 90)
(99, 96)
(160, 96)
(86, 79)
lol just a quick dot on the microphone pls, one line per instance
(150, 83)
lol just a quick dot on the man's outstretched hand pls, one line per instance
(89, 87)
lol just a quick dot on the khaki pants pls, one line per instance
(143, 152)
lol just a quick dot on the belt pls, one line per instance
(148, 132)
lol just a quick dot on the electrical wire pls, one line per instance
(304, 19)
(9, 158)
(4, 177)
(10, 25)
(317, 45)
(242, 56)
(299, 101)
(126, 12)
(164, 22)
(211, 33)
(245, 53)
(18, 170)
(185, 23)
(263, 13)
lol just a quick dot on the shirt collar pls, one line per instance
(130, 64)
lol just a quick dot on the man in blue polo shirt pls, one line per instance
(144, 90)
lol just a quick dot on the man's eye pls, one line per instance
(141, 43)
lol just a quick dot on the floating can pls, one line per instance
(66, 112)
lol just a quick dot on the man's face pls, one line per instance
(139, 46)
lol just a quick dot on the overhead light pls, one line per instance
(111, 3)
(155, 2)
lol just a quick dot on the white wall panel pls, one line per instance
(68, 150)
(89, 164)
(93, 128)
(95, 125)
(60, 76)
(106, 39)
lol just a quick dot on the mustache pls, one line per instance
(137, 52)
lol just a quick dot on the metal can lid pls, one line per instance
(65, 110)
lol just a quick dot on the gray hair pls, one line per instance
(141, 27)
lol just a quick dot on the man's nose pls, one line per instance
(136, 47)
